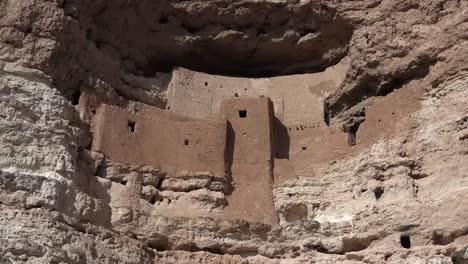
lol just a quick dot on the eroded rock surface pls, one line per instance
(364, 157)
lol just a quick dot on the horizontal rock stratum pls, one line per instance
(240, 131)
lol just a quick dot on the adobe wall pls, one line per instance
(177, 145)
(297, 99)
(313, 147)
(303, 141)
(241, 137)
(249, 129)
(250, 142)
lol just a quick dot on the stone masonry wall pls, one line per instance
(178, 146)
(250, 148)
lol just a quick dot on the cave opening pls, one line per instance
(378, 192)
(218, 43)
(220, 60)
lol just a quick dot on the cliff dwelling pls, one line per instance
(234, 131)
(247, 135)
(236, 145)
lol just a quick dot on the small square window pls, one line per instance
(242, 113)
(186, 142)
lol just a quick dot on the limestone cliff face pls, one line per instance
(370, 103)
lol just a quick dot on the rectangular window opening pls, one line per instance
(131, 126)
(76, 97)
(242, 113)
(186, 142)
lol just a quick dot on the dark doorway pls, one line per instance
(131, 126)
(405, 241)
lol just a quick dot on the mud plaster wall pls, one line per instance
(250, 140)
(176, 145)
(302, 138)
(249, 128)
(242, 139)
(297, 99)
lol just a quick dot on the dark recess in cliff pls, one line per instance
(242, 39)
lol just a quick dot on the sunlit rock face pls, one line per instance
(233, 131)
